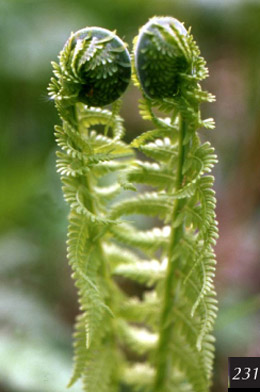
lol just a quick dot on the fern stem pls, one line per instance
(172, 285)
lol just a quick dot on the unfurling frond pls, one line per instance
(168, 68)
(94, 70)
(161, 340)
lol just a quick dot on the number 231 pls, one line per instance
(247, 373)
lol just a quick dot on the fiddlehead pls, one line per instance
(170, 325)
(180, 312)
(94, 69)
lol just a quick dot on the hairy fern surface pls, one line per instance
(160, 341)
(175, 319)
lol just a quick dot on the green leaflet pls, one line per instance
(141, 311)
(101, 369)
(137, 339)
(144, 272)
(149, 204)
(148, 173)
(95, 116)
(160, 341)
(95, 366)
(139, 377)
(146, 240)
(161, 150)
(80, 352)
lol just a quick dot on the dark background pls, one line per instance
(37, 299)
(243, 372)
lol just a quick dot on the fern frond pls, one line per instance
(167, 330)
(146, 240)
(102, 168)
(92, 61)
(147, 173)
(138, 340)
(67, 168)
(117, 255)
(161, 150)
(84, 262)
(138, 376)
(80, 352)
(191, 362)
(94, 116)
(142, 311)
(103, 144)
(101, 369)
(149, 204)
(185, 293)
(150, 136)
(108, 192)
(144, 272)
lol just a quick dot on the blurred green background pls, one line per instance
(38, 303)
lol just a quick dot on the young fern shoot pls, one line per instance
(94, 70)
(161, 341)
(179, 313)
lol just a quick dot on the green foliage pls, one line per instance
(168, 329)
(85, 157)
(185, 288)
(95, 68)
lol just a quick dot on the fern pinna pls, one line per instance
(160, 341)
